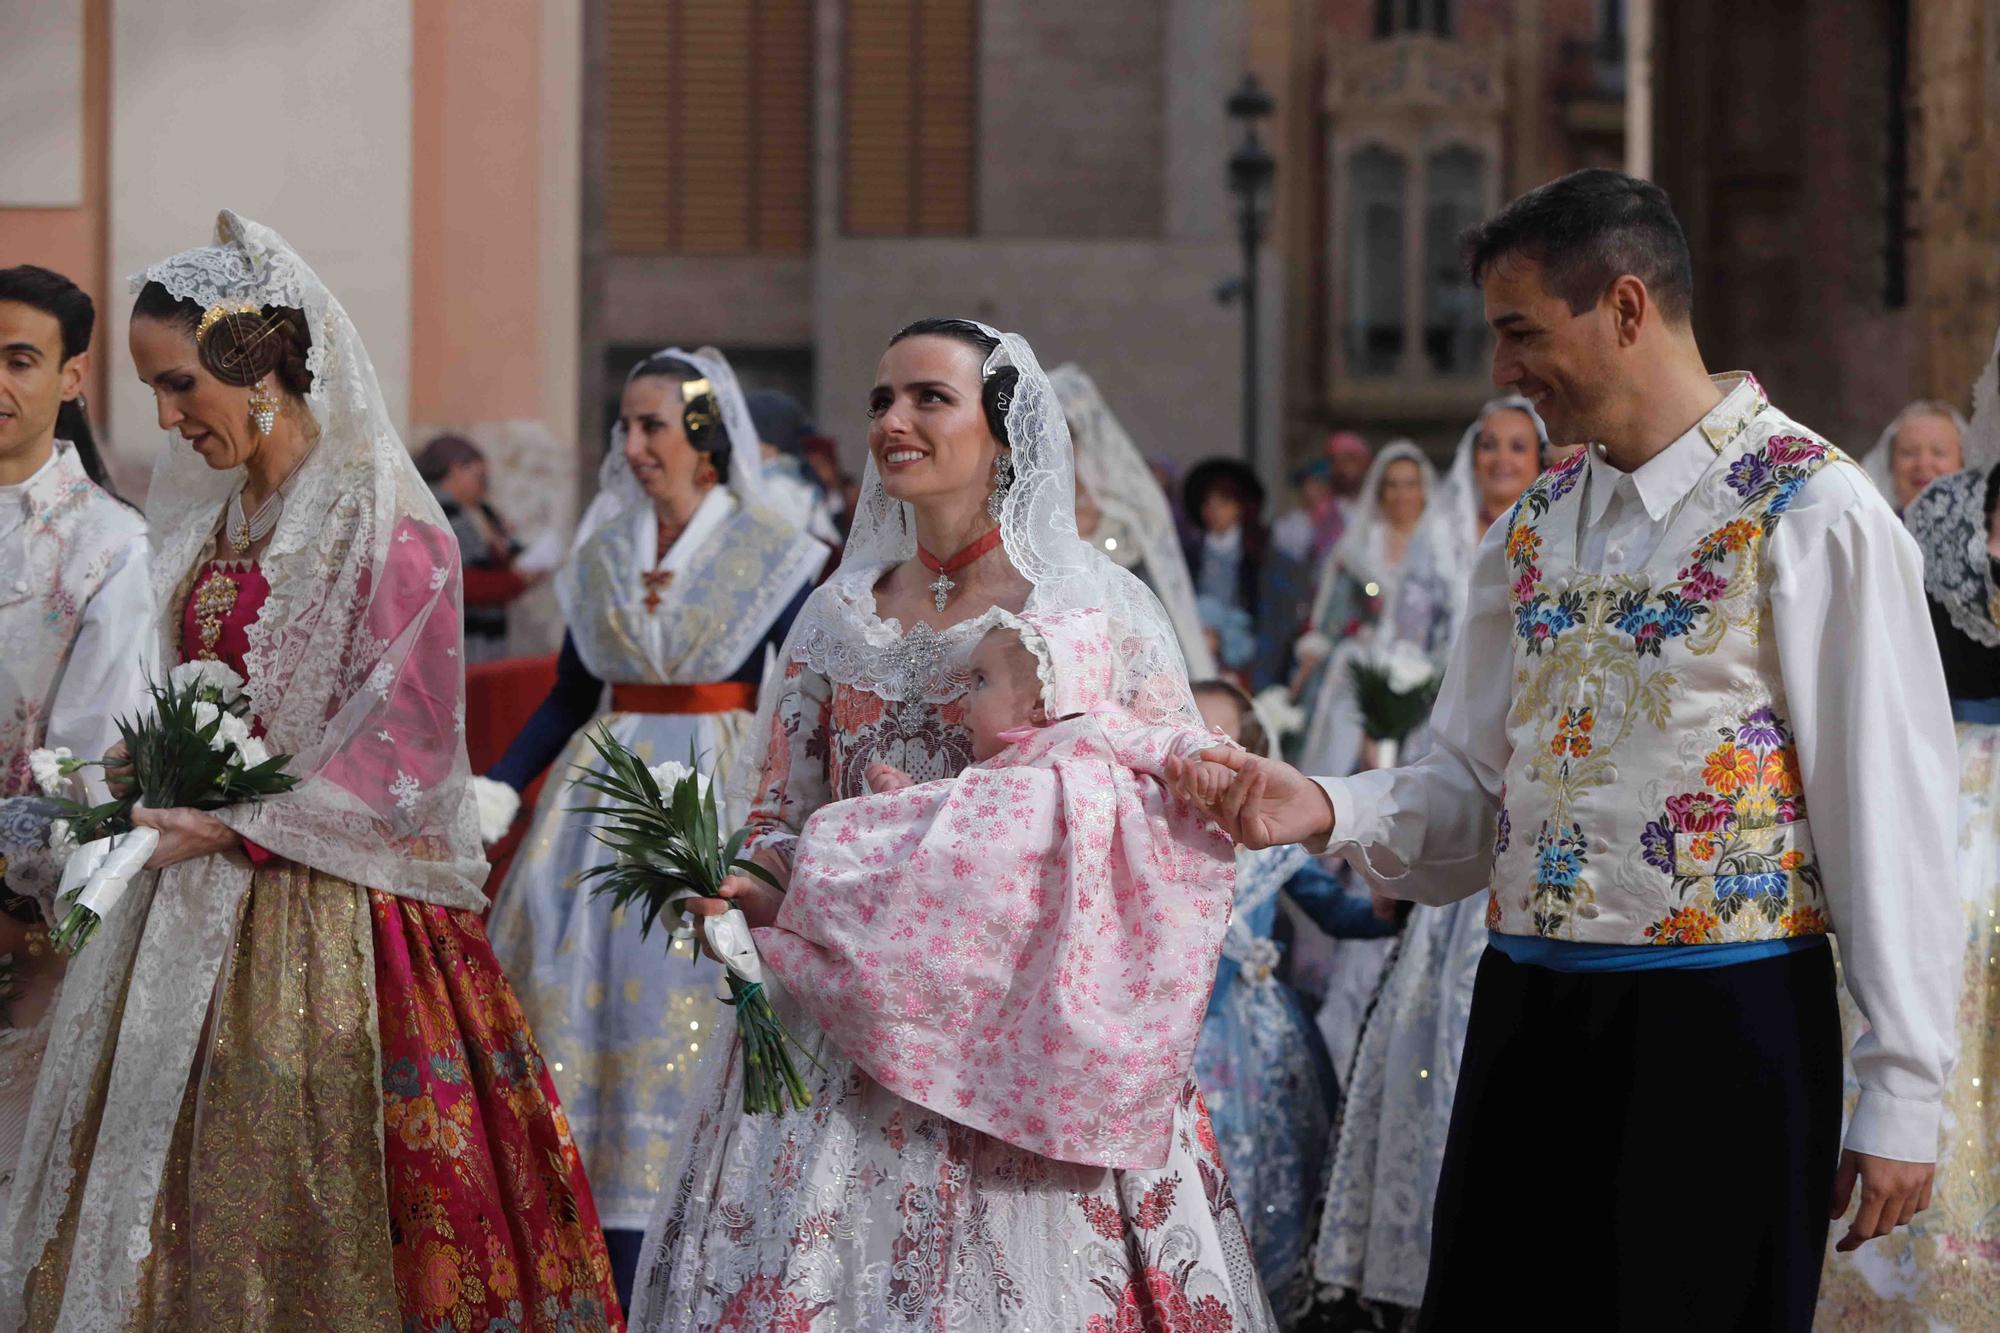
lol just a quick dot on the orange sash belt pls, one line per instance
(709, 697)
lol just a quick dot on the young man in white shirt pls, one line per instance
(76, 616)
(1694, 721)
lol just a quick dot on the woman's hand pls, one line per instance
(119, 776)
(757, 900)
(184, 835)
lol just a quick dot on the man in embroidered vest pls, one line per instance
(1694, 721)
(76, 619)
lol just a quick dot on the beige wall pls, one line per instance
(297, 115)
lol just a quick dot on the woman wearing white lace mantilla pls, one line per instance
(1943, 1272)
(1921, 443)
(293, 1087)
(1121, 510)
(681, 584)
(1389, 1146)
(865, 1211)
(1359, 577)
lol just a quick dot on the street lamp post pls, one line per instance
(1251, 169)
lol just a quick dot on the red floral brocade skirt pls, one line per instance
(491, 1219)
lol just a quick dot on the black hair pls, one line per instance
(76, 314)
(713, 440)
(239, 348)
(1249, 727)
(1586, 230)
(444, 453)
(996, 391)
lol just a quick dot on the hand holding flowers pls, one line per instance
(662, 822)
(195, 753)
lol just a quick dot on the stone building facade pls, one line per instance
(1835, 164)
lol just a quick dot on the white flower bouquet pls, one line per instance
(662, 822)
(1395, 685)
(195, 750)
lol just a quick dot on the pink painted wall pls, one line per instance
(71, 240)
(475, 330)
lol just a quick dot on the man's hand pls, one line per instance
(1269, 803)
(1892, 1193)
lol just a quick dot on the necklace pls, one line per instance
(249, 531)
(657, 580)
(942, 587)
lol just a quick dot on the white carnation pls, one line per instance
(1407, 668)
(498, 804)
(671, 773)
(253, 751)
(61, 841)
(233, 731)
(1280, 714)
(46, 765)
(208, 674)
(205, 713)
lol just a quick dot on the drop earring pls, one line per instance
(263, 408)
(1003, 481)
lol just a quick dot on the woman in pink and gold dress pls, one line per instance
(295, 1089)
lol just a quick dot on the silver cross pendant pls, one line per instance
(942, 586)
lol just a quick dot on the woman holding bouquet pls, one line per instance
(295, 1088)
(681, 582)
(864, 1210)
(1389, 1145)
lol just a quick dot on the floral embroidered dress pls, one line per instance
(1263, 1068)
(867, 1211)
(681, 637)
(293, 1088)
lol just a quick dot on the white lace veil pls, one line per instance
(1110, 467)
(1880, 460)
(1430, 599)
(354, 669)
(1362, 552)
(839, 633)
(618, 489)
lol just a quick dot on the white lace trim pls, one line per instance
(1950, 525)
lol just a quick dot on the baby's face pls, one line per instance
(1006, 693)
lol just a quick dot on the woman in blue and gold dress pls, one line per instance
(679, 584)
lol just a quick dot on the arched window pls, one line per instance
(1454, 320)
(1377, 188)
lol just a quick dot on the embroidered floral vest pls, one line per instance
(1653, 793)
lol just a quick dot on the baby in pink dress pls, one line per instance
(1026, 948)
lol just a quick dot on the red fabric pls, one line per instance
(492, 587)
(718, 696)
(259, 856)
(230, 645)
(490, 1214)
(500, 697)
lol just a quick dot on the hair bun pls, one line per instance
(241, 347)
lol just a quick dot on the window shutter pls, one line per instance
(709, 127)
(911, 89)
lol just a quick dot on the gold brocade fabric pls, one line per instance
(275, 1178)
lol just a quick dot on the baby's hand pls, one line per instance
(886, 777)
(1208, 780)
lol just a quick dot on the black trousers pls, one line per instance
(1640, 1150)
